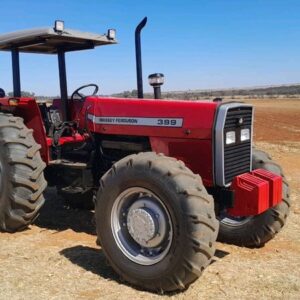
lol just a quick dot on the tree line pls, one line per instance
(284, 90)
(271, 91)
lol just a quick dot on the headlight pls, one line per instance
(59, 26)
(245, 134)
(230, 137)
(111, 34)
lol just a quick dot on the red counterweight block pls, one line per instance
(255, 192)
(275, 185)
(251, 195)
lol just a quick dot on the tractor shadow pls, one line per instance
(93, 260)
(56, 215)
(219, 254)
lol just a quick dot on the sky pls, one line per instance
(196, 44)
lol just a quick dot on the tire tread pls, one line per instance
(22, 205)
(200, 218)
(261, 228)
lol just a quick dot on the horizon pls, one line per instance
(250, 88)
(212, 46)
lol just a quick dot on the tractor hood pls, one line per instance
(148, 117)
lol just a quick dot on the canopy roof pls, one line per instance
(48, 41)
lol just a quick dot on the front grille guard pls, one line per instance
(218, 153)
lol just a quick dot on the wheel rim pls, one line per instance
(227, 219)
(141, 226)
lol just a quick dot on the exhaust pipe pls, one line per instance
(138, 56)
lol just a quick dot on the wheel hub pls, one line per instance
(142, 225)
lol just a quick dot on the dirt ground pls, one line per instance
(57, 258)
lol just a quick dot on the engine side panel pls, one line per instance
(180, 129)
(144, 117)
(196, 154)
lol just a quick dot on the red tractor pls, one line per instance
(167, 177)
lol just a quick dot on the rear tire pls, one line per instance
(186, 244)
(255, 231)
(22, 181)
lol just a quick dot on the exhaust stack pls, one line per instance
(138, 56)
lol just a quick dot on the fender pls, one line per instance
(28, 109)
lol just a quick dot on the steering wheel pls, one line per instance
(81, 96)
(2, 93)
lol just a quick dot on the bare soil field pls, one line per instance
(57, 258)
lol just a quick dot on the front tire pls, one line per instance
(155, 222)
(255, 231)
(22, 181)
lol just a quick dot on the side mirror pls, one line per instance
(2, 93)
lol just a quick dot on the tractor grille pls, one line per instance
(237, 156)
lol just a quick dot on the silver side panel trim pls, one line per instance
(137, 121)
(219, 140)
